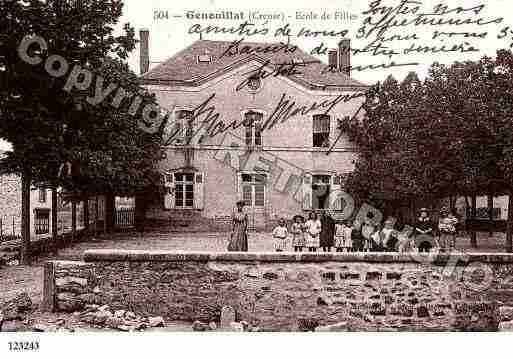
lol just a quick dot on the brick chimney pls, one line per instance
(333, 59)
(144, 54)
(344, 56)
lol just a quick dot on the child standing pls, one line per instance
(298, 235)
(312, 229)
(357, 237)
(342, 237)
(349, 241)
(280, 236)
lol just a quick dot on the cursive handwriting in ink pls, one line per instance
(288, 108)
(208, 119)
(384, 65)
(280, 69)
(244, 29)
(237, 47)
(382, 18)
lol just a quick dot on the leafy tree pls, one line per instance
(436, 138)
(48, 126)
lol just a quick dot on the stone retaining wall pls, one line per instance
(286, 291)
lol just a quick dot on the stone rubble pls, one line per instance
(126, 321)
(242, 326)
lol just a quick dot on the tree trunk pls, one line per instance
(452, 202)
(110, 204)
(73, 221)
(96, 210)
(467, 207)
(473, 235)
(509, 230)
(86, 216)
(55, 246)
(490, 215)
(140, 212)
(413, 214)
(25, 220)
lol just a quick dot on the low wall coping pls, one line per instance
(116, 255)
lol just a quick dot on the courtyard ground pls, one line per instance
(29, 279)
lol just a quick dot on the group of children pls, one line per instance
(345, 237)
(367, 236)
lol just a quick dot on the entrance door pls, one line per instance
(253, 190)
(320, 191)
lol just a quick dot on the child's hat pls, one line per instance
(298, 216)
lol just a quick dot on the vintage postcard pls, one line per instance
(227, 167)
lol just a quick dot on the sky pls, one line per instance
(169, 29)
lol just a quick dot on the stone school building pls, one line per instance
(234, 140)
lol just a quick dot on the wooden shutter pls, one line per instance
(307, 191)
(169, 195)
(239, 186)
(335, 199)
(199, 190)
(321, 124)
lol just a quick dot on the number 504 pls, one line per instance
(160, 14)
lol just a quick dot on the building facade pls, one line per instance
(10, 208)
(243, 128)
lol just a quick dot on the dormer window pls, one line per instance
(206, 58)
(254, 83)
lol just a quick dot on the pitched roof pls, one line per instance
(184, 69)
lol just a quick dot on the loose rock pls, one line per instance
(23, 302)
(505, 313)
(338, 327)
(198, 326)
(39, 328)
(156, 322)
(114, 322)
(237, 327)
(102, 316)
(506, 326)
(119, 313)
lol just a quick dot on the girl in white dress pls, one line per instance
(280, 236)
(313, 230)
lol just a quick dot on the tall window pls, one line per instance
(42, 195)
(42, 221)
(253, 189)
(321, 131)
(184, 190)
(185, 129)
(320, 191)
(253, 124)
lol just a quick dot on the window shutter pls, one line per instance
(169, 195)
(307, 191)
(321, 124)
(199, 190)
(335, 200)
(239, 186)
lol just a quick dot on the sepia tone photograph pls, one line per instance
(217, 167)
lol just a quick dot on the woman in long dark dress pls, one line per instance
(239, 235)
(327, 232)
